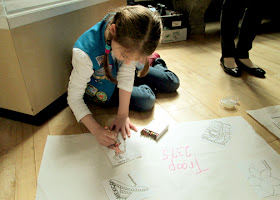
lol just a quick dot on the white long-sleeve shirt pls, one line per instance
(81, 75)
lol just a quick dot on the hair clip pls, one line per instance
(108, 47)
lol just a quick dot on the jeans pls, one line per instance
(158, 79)
(232, 11)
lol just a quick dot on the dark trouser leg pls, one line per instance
(250, 23)
(230, 16)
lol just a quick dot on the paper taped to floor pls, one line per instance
(269, 117)
(181, 165)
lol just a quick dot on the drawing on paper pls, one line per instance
(262, 179)
(274, 113)
(123, 191)
(122, 151)
(118, 152)
(276, 121)
(218, 133)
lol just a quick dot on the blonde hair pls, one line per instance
(138, 29)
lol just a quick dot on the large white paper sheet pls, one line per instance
(181, 165)
(269, 117)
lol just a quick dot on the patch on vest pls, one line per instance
(91, 90)
(100, 73)
(101, 96)
(99, 59)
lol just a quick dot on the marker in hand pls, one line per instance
(114, 134)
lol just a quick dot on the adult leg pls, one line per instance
(250, 23)
(230, 16)
(159, 78)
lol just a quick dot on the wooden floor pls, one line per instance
(203, 84)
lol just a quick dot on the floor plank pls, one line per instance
(64, 123)
(25, 164)
(276, 145)
(8, 142)
(40, 136)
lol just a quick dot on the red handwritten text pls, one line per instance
(180, 158)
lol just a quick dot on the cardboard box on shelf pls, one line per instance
(175, 21)
(174, 35)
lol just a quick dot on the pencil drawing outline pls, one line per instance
(123, 191)
(218, 133)
(276, 121)
(263, 179)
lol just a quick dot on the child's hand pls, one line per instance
(123, 124)
(105, 137)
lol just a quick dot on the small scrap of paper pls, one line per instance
(269, 117)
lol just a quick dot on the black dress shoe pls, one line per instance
(231, 71)
(256, 71)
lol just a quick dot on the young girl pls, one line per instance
(105, 60)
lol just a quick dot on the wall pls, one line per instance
(40, 56)
(13, 93)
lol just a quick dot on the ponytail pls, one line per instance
(108, 74)
(143, 72)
